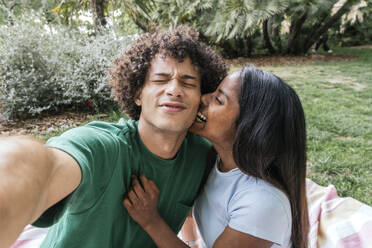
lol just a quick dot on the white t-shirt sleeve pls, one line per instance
(261, 213)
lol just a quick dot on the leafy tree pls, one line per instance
(140, 11)
(237, 27)
(239, 18)
(234, 25)
(357, 29)
(310, 19)
(228, 24)
(100, 10)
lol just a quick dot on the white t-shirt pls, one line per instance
(244, 203)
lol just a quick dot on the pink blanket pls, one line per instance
(31, 237)
(335, 222)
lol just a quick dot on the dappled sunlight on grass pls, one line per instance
(337, 99)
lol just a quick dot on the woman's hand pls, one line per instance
(141, 203)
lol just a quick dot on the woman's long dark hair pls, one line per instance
(270, 141)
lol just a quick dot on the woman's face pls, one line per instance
(219, 111)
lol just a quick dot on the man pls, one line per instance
(77, 182)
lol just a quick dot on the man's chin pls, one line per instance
(197, 128)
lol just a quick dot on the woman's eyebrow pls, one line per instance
(224, 93)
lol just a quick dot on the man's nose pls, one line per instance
(174, 88)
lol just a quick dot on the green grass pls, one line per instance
(109, 117)
(337, 98)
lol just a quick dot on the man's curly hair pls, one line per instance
(129, 71)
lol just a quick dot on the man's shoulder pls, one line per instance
(96, 132)
(122, 126)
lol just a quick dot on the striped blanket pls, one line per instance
(31, 237)
(335, 222)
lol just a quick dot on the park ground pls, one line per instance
(336, 92)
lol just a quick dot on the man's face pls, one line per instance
(170, 96)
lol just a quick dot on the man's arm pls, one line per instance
(33, 177)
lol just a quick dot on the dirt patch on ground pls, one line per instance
(365, 46)
(261, 61)
(346, 138)
(340, 80)
(44, 125)
(357, 86)
(347, 81)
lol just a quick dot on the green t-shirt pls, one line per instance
(93, 216)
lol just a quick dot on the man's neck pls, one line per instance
(163, 144)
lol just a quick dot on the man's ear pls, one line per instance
(137, 98)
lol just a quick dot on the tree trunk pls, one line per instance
(145, 27)
(227, 49)
(275, 23)
(98, 11)
(66, 19)
(320, 22)
(295, 29)
(277, 39)
(266, 37)
(249, 44)
(140, 25)
(142, 22)
(241, 48)
(328, 23)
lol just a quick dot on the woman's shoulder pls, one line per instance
(262, 210)
(252, 192)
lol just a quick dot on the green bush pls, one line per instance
(356, 33)
(46, 68)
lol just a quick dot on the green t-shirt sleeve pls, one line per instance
(95, 148)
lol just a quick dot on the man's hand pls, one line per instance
(141, 203)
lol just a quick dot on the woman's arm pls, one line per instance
(141, 204)
(189, 232)
(235, 239)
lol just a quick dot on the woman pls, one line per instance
(255, 195)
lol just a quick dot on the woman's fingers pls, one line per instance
(138, 188)
(145, 183)
(154, 187)
(143, 196)
(142, 200)
(133, 197)
(149, 185)
(127, 203)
